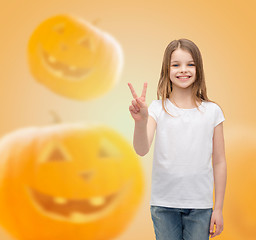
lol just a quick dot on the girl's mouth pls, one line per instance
(184, 78)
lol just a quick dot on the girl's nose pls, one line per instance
(183, 69)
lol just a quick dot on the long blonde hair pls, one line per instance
(165, 85)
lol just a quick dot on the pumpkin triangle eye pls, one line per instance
(54, 152)
(103, 153)
(85, 42)
(108, 149)
(59, 28)
(56, 155)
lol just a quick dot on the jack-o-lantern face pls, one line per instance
(73, 58)
(68, 179)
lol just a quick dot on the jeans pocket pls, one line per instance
(154, 212)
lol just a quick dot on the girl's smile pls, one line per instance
(183, 78)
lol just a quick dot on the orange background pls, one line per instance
(225, 33)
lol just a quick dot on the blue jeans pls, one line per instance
(181, 223)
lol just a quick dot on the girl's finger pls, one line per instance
(132, 90)
(144, 90)
(134, 102)
(218, 229)
(139, 102)
(132, 109)
(212, 226)
(135, 105)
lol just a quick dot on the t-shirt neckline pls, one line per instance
(185, 109)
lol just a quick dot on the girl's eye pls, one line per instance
(174, 65)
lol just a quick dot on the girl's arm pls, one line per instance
(145, 125)
(219, 166)
(220, 178)
(143, 135)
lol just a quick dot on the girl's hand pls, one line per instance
(139, 108)
(216, 219)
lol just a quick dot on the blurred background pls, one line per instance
(225, 33)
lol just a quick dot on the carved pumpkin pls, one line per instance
(68, 181)
(73, 58)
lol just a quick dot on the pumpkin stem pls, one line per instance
(96, 21)
(56, 117)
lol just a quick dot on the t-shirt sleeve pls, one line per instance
(219, 116)
(152, 110)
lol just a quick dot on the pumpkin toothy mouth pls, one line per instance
(63, 70)
(77, 210)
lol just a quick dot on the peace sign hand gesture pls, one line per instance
(139, 108)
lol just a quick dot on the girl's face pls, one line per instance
(182, 64)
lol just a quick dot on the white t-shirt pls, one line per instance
(182, 173)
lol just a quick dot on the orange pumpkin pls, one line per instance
(73, 58)
(68, 181)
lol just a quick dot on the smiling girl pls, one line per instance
(189, 153)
